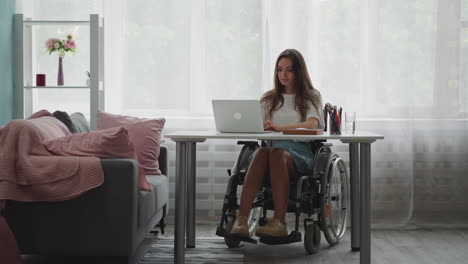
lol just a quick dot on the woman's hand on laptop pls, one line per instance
(269, 125)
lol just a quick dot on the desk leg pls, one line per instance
(355, 211)
(191, 193)
(180, 199)
(365, 203)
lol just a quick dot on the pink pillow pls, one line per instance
(40, 113)
(48, 124)
(144, 133)
(108, 143)
(50, 127)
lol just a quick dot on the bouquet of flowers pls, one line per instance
(61, 46)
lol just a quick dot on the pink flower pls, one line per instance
(52, 40)
(61, 46)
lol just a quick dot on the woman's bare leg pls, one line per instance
(281, 168)
(253, 180)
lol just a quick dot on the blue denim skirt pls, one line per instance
(301, 152)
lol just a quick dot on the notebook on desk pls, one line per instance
(303, 131)
(238, 116)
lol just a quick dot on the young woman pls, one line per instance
(292, 103)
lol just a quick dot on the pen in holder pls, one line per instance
(333, 115)
(325, 117)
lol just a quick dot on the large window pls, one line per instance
(181, 56)
(234, 48)
(464, 57)
(384, 59)
(405, 52)
(156, 55)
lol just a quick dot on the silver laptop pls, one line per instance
(238, 116)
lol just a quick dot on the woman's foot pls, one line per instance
(273, 228)
(240, 227)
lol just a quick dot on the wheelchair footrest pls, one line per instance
(294, 236)
(241, 238)
(220, 231)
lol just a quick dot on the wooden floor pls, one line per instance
(425, 246)
(388, 247)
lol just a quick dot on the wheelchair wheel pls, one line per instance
(312, 238)
(231, 218)
(254, 218)
(335, 200)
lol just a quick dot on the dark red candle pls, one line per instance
(40, 80)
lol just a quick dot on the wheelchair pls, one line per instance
(322, 197)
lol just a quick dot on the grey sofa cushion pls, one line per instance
(151, 202)
(80, 122)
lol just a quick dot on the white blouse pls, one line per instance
(287, 114)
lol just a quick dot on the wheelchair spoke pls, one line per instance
(254, 217)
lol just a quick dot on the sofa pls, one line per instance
(110, 220)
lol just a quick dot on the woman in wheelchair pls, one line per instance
(292, 103)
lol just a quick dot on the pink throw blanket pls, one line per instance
(28, 172)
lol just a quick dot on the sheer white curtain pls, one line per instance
(401, 65)
(178, 55)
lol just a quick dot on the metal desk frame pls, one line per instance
(360, 179)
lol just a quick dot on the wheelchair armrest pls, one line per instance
(316, 145)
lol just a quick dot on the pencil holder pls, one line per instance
(335, 127)
(332, 116)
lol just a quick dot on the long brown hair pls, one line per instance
(305, 91)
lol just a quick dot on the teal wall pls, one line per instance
(7, 9)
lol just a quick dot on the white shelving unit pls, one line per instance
(22, 30)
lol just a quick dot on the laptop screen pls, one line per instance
(238, 116)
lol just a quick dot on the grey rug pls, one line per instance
(207, 250)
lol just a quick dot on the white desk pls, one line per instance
(359, 150)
